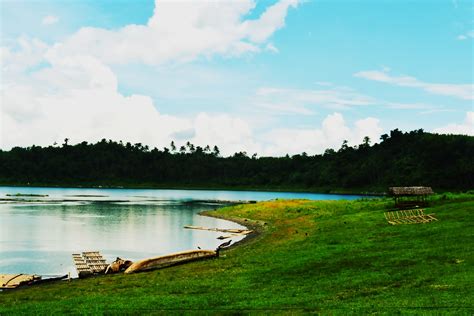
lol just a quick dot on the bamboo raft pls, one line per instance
(89, 263)
(417, 216)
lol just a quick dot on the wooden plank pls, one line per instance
(222, 230)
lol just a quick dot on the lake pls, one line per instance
(41, 227)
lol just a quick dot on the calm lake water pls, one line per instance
(38, 234)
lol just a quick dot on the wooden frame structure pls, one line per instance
(410, 197)
(409, 217)
(89, 263)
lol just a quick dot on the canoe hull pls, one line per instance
(11, 281)
(169, 260)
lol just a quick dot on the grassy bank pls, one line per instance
(330, 256)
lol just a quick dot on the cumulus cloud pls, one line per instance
(77, 98)
(231, 134)
(460, 91)
(23, 54)
(464, 128)
(181, 31)
(68, 90)
(332, 132)
(49, 20)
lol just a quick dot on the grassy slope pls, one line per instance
(322, 255)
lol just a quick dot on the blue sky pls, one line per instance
(271, 77)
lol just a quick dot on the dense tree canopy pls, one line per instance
(412, 158)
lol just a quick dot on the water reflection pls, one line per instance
(41, 227)
(41, 238)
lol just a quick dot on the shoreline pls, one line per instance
(249, 224)
(201, 188)
(256, 227)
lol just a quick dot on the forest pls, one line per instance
(444, 162)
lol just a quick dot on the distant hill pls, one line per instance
(412, 158)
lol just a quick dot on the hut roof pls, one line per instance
(410, 190)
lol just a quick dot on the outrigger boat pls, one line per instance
(92, 263)
(170, 260)
(12, 281)
(174, 259)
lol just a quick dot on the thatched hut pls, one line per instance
(406, 197)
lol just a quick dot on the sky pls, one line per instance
(267, 77)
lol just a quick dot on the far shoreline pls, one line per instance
(201, 188)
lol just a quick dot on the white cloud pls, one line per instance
(259, 30)
(181, 31)
(466, 36)
(464, 128)
(23, 54)
(49, 20)
(333, 131)
(74, 97)
(460, 91)
(271, 48)
(77, 98)
(69, 90)
(231, 134)
(410, 106)
(305, 101)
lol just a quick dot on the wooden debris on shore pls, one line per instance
(89, 263)
(417, 216)
(236, 231)
(231, 232)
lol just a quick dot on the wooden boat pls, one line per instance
(11, 281)
(171, 259)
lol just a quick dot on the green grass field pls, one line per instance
(323, 256)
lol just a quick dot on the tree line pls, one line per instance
(399, 159)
